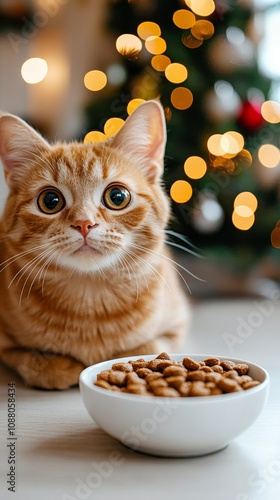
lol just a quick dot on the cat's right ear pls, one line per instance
(19, 144)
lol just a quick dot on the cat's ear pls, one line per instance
(143, 137)
(19, 144)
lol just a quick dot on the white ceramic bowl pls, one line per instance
(173, 427)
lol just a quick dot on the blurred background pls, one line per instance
(75, 69)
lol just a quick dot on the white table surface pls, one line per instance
(60, 449)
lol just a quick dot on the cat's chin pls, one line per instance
(87, 260)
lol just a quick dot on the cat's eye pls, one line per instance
(116, 197)
(50, 201)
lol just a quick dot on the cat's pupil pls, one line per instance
(117, 196)
(51, 200)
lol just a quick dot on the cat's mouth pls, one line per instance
(86, 249)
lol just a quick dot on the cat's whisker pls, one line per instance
(127, 265)
(14, 258)
(165, 257)
(39, 273)
(149, 266)
(182, 238)
(39, 259)
(187, 250)
(27, 266)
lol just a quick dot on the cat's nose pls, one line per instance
(83, 226)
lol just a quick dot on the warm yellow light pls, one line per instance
(181, 191)
(214, 145)
(155, 45)
(243, 211)
(34, 70)
(202, 30)
(147, 29)
(202, 7)
(95, 80)
(176, 73)
(269, 155)
(275, 236)
(159, 63)
(128, 45)
(270, 111)
(183, 18)
(195, 167)
(243, 223)
(191, 42)
(94, 136)
(112, 126)
(133, 104)
(232, 143)
(181, 98)
(247, 199)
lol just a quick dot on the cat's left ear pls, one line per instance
(143, 138)
(19, 144)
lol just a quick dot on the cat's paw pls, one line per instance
(58, 372)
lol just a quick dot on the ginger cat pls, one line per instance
(85, 274)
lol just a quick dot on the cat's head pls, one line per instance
(86, 206)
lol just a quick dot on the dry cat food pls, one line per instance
(163, 377)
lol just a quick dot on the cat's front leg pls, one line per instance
(44, 370)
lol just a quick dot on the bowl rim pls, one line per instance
(85, 374)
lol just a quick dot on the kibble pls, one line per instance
(163, 377)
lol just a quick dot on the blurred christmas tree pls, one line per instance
(200, 58)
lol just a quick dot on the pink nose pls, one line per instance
(83, 226)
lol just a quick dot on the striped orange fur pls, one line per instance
(85, 274)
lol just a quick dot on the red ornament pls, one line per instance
(250, 117)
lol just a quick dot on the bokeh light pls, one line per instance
(183, 19)
(34, 70)
(155, 45)
(133, 104)
(116, 74)
(191, 42)
(243, 223)
(202, 30)
(202, 7)
(195, 167)
(128, 45)
(270, 111)
(95, 80)
(176, 73)
(160, 62)
(181, 191)
(269, 155)
(94, 136)
(275, 236)
(228, 144)
(247, 199)
(112, 126)
(181, 98)
(147, 29)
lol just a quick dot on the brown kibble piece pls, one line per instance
(250, 385)
(217, 368)
(175, 381)
(231, 374)
(158, 382)
(185, 389)
(198, 389)
(227, 365)
(163, 355)
(103, 384)
(212, 361)
(206, 369)
(132, 378)
(227, 384)
(190, 364)
(213, 377)
(123, 367)
(139, 363)
(166, 392)
(103, 375)
(153, 376)
(243, 379)
(136, 389)
(241, 368)
(143, 372)
(216, 391)
(174, 370)
(196, 375)
(117, 378)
